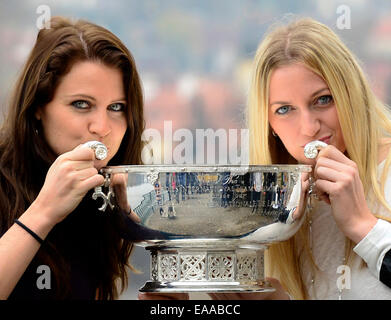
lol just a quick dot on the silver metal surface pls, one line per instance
(99, 148)
(207, 226)
(311, 149)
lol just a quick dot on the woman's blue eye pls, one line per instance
(80, 104)
(283, 110)
(117, 107)
(323, 100)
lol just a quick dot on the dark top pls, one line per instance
(34, 285)
(385, 270)
(81, 245)
(75, 243)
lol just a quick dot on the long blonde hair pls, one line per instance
(363, 118)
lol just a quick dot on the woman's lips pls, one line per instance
(326, 139)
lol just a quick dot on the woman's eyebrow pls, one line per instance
(81, 95)
(319, 91)
(86, 96)
(312, 95)
(279, 102)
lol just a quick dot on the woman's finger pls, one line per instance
(325, 173)
(84, 174)
(91, 182)
(79, 153)
(332, 153)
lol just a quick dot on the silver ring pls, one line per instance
(99, 148)
(311, 149)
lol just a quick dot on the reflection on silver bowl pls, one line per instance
(207, 226)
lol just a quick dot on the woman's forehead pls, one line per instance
(92, 78)
(295, 79)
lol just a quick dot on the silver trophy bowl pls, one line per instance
(206, 227)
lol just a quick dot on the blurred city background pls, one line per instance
(194, 56)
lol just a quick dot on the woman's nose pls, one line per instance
(100, 124)
(309, 124)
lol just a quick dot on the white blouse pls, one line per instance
(361, 280)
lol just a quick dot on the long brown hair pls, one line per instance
(25, 156)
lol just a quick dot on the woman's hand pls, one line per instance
(338, 183)
(68, 180)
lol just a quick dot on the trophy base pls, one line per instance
(205, 286)
(212, 265)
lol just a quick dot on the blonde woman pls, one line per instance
(307, 86)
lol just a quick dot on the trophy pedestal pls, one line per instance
(212, 265)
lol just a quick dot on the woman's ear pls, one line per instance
(37, 114)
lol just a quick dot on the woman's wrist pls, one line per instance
(361, 228)
(38, 220)
(31, 232)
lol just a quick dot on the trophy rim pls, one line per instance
(203, 243)
(162, 168)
